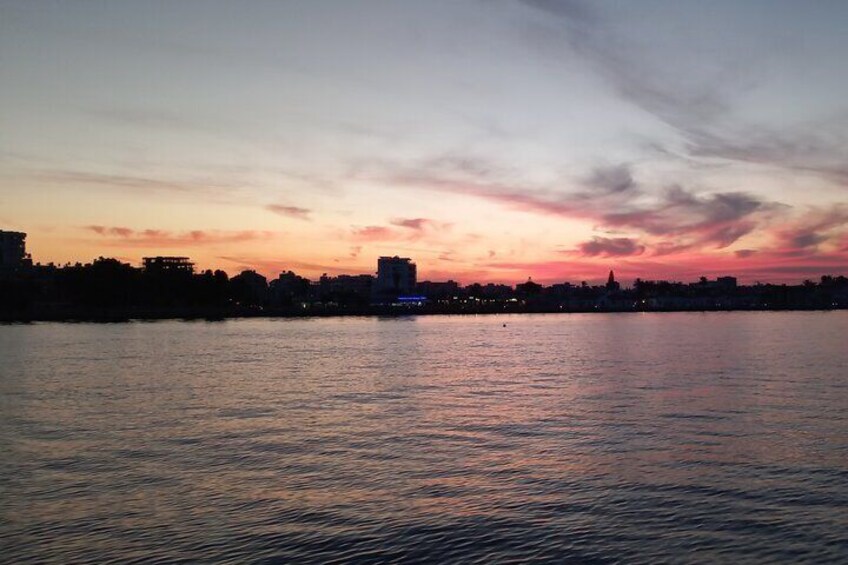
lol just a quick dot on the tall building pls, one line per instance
(396, 276)
(13, 255)
(612, 284)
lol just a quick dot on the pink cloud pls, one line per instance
(126, 237)
(374, 233)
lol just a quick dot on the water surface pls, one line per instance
(562, 438)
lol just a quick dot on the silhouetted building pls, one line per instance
(249, 288)
(168, 287)
(13, 255)
(726, 283)
(561, 290)
(163, 265)
(528, 288)
(612, 284)
(396, 276)
(493, 291)
(721, 284)
(289, 288)
(438, 290)
(345, 289)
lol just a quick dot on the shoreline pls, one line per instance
(191, 315)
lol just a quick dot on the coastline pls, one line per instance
(106, 316)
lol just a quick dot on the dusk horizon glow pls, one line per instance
(488, 140)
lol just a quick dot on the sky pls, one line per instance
(489, 140)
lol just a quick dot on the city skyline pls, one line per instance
(393, 275)
(169, 287)
(21, 256)
(491, 140)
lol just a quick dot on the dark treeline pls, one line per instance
(108, 289)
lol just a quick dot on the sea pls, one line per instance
(551, 438)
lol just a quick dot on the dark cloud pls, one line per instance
(289, 211)
(806, 239)
(609, 196)
(417, 224)
(613, 180)
(671, 248)
(420, 224)
(745, 253)
(611, 247)
(604, 189)
(815, 227)
(718, 219)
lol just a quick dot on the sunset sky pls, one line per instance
(489, 140)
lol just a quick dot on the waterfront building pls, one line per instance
(438, 290)
(289, 288)
(396, 276)
(345, 288)
(13, 255)
(249, 288)
(493, 291)
(528, 288)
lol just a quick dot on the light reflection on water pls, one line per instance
(645, 437)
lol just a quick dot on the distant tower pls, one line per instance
(396, 276)
(611, 283)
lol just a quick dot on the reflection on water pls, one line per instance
(684, 437)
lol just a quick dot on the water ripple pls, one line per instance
(582, 439)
